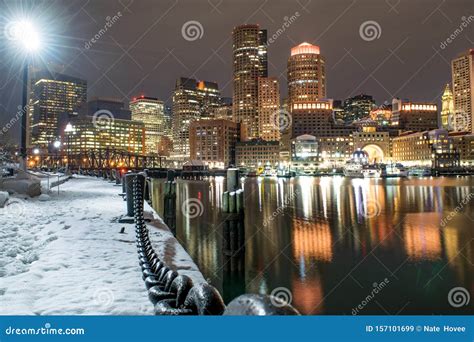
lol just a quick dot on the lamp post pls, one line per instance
(57, 146)
(24, 34)
(68, 130)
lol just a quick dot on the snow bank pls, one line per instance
(66, 255)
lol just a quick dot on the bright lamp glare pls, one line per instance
(24, 33)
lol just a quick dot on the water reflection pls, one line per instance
(330, 239)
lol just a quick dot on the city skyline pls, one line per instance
(346, 74)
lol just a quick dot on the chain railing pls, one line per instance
(173, 293)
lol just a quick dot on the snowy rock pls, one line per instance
(3, 198)
(44, 198)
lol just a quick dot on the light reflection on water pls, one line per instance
(332, 238)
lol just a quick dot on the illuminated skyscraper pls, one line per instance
(150, 111)
(463, 90)
(192, 100)
(268, 108)
(52, 95)
(249, 54)
(447, 109)
(306, 76)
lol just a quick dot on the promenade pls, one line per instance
(65, 253)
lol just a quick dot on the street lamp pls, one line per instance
(25, 35)
(68, 130)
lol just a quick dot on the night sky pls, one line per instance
(144, 51)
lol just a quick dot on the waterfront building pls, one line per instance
(415, 116)
(115, 106)
(306, 74)
(358, 107)
(52, 95)
(316, 119)
(464, 144)
(212, 141)
(150, 111)
(447, 109)
(257, 154)
(249, 54)
(192, 100)
(433, 148)
(269, 108)
(305, 156)
(462, 69)
(113, 135)
(376, 143)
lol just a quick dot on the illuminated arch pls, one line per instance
(375, 152)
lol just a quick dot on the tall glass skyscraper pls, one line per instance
(52, 96)
(249, 52)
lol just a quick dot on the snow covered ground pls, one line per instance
(63, 254)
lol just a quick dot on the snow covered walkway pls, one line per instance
(64, 254)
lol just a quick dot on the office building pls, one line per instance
(306, 74)
(249, 55)
(462, 69)
(433, 148)
(150, 111)
(52, 95)
(257, 154)
(192, 100)
(358, 107)
(269, 109)
(113, 135)
(415, 116)
(212, 141)
(115, 106)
